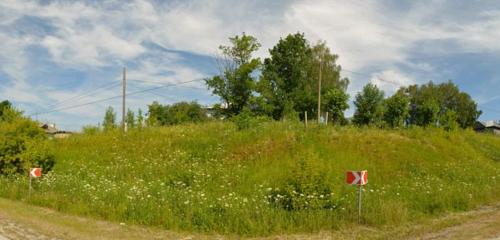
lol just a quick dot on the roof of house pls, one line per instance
(49, 128)
(487, 124)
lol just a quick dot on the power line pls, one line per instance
(114, 97)
(367, 75)
(490, 109)
(160, 95)
(162, 83)
(87, 93)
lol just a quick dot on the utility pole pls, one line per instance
(124, 88)
(305, 119)
(319, 89)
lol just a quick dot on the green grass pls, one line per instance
(213, 178)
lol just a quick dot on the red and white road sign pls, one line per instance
(35, 172)
(357, 177)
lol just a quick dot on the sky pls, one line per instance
(59, 59)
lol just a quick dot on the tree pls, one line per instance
(109, 122)
(155, 114)
(184, 112)
(130, 119)
(4, 105)
(430, 102)
(368, 104)
(330, 71)
(466, 111)
(235, 83)
(285, 76)
(7, 112)
(448, 121)
(290, 76)
(23, 144)
(140, 118)
(335, 103)
(428, 113)
(177, 113)
(396, 109)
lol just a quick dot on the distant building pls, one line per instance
(215, 110)
(53, 132)
(487, 126)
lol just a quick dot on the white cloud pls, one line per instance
(95, 47)
(390, 81)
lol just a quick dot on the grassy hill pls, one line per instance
(275, 178)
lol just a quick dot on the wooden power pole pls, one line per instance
(319, 89)
(124, 88)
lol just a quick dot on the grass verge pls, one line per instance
(273, 179)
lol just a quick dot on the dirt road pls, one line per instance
(483, 224)
(22, 221)
(13, 230)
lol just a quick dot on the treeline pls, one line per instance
(442, 105)
(286, 85)
(157, 115)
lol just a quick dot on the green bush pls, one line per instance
(247, 120)
(23, 145)
(90, 130)
(306, 188)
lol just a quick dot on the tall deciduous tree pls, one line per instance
(285, 77)
(369, 106)
(109, 122)
(130, 119)
(290, 76)
(335, 103)
(396, 109)
(140, 118)
(326, 62)
(235, 83)
(430, 103)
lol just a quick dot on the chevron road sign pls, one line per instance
(35, 172)
(357, 177)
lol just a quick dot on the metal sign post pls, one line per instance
(359, 178)
(359, 203)
(34, 173)
(29, 191)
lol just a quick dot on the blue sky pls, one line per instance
(52, 51)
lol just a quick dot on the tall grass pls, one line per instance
(275, 178)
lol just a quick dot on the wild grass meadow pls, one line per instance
(274, 178)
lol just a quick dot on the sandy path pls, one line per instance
(11, 230)
(486, 226)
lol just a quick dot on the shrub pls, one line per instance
(305, 188)
(22, 146)
(449, 121)
(90, 130)
(246, 120)
(177, 113)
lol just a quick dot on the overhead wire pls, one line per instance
(378, 77)
(114, 97)
(162, 83)
(83, 95)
